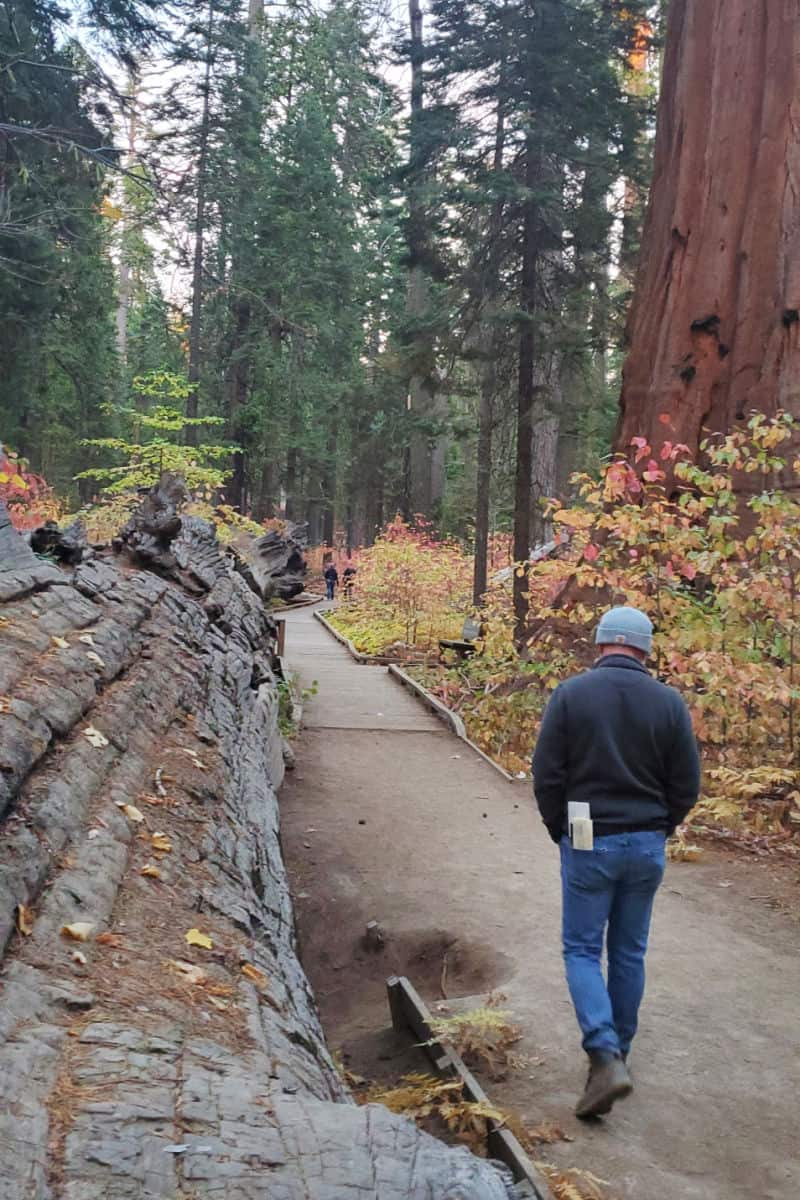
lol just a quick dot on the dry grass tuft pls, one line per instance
(483, 1036)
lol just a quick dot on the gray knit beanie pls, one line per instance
(625, 627)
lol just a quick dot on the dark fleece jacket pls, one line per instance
(621, 741)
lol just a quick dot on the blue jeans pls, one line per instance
(330, 588)
(609, 891)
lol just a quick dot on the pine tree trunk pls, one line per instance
(714, 331)
(525, 402)
(427, 450)
(195, 327)
(292, 506)
(295, 498)
(329, 483)
(238, 388)
(264, 503)
(483, 491)
(544, 455)
(373, 506)
(125, 275)
(490, 350)
(240, 369)
(547, 403)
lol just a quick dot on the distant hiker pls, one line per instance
(615, 770)
(348, 577)
(331, 580)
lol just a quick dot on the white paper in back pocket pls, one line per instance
(582, 834)
(576, 808)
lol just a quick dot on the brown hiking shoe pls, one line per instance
(608, 1082)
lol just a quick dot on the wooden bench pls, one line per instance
(465, 647)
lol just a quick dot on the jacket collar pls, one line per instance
(620, 660)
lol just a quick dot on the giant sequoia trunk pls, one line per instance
(715, 327)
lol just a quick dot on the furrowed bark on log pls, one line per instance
(119, 1076)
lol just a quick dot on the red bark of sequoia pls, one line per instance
(714, 330)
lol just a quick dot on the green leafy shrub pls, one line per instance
(153, 442)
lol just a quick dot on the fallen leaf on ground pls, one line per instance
(87, 639)
(680, 850)
(95, 658)
(195, 938)
(194, 757)
(161, 842)
(92, 834)
(109, 939)
(151, 872)
(548, 1133)
(79, 957)
(24, 920)
(131, 811)
(222, 1005)
(62, 643)
(190, 971)
(5, 704)
(255, 976)
(79, 931)
(97, 739)
(572, 1183)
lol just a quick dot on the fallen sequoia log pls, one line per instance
(65, 545)
(159, 537)
(158, 1037)
(277, 563)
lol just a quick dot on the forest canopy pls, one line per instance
(340, 227)
(391, 258)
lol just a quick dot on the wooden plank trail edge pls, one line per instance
(409, 1012)
(364, 659)
(451, 718)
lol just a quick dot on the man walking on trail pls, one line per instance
(615, 771)
(331, 579)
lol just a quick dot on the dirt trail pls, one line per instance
(388, 816)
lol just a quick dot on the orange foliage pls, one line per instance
(27, 496)
(719, 575)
